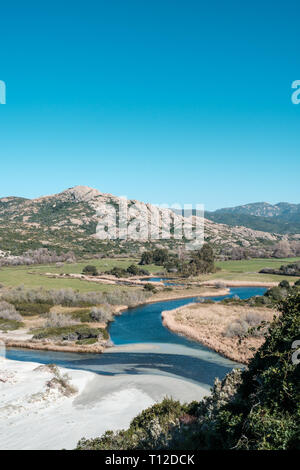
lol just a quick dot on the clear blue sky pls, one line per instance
(163, 101)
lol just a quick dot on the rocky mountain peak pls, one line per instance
(82, 193)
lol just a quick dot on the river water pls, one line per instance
(143, 346)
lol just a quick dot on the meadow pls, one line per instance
(32, 276)
(248, 270)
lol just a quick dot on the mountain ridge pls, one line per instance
(68, 221)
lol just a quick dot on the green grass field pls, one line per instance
(30, 276)
(248, 270)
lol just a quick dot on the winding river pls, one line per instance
(143, 347)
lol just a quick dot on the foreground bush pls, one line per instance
(257, 409)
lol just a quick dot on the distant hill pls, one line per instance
(67, 222)
(264, 209)
(281, 218)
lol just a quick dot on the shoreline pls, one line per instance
(30, 395)
(234, 283)
(205, 324)
(119, 309)
(97, 348)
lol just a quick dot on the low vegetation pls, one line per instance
(58, 320)
(8, 312)
(71, 298)
(70, 333)
(269, 299)
(61, 317)
(247, 325)
(38, 256)
(10, 325)
(292, 269)
(60, 381)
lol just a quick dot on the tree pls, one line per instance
(201, 262)
(159, 256)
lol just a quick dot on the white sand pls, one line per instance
(32, 416)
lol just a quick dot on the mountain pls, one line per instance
(264, 209)
(281, 218)
(67, 222)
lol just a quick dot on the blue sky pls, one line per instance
(163, 101)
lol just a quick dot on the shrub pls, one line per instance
(58, 320)
(148, 430)
(118, 272)
(70, 333)
(71, 298)
(90, 270)
(284, 284)
(150, 287)
(7, 325)
(101, 314)
(246, 325)
(62, 381)
(87, 341)
(31, 308)
(8, 312)
(220, 285)
(134, 270)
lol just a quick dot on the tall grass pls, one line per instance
(70, 298)
(8, 312)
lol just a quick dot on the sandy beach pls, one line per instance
(36, 416)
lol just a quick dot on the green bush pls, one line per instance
(150, 287)
(70, 333)
(118, 272)
(87, 341)
(31, 308)
(8, 325)
(284, 284)
(84, 316)
(90, 270)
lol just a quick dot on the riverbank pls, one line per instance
(179, 292)
(232, 283)
(23, 337)
(34, 407)
(214, 326)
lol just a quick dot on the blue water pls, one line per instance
(143, 324)
(145, 346)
